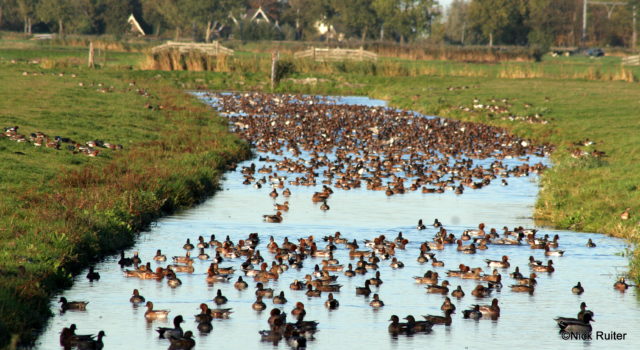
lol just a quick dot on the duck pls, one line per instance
(420, 226)
(159, 256)
(72, 305)
(136, 298)
(311, 292)
(204, 315)
(331, 303)
(577, 289)
(277, 218)
(124, 261)
(396, 327)
(492, 310)
(481, 291)
(576, 326)
(447, 305)
(69, 338)
(376, 302)
(240, 284)
(283, 207)
(590, 244)
(280, 299)
(349, 272)
(264, 292)
(523, 288)
(220, 312)
(299, 310)
(516, 274)
(324, 206)
(544, 268)
(364, 290)
(548, 252)
(259, 305)
(474, 313)
(91, 344)
(444, 320)
(458, 293)
(417, 326)
(436, 263)
(376, 281)
(296, 285)
(621, 284)
(504, 263)
(188, 245)
(152, 314)
(439, 289)
(220, 299)
(203, 255)
(437, 223)
(92, 275)
(183, 342)
(176, 331)
(395, 264)
(429, 277)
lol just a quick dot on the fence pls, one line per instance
(336, 54)
(212, 49)
(631, 60)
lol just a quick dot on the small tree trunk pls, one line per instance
(177, 34)
(28, 25)
(60, 28)
(90, 63)
(364, 34)
(25, 25)
(0, 16)
(490, 39)
(207, 36)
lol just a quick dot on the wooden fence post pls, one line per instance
(90, 63)
(274, 61)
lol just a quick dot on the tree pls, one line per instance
(354, 17)
(500, 19)
(457, 25)
(26, 8)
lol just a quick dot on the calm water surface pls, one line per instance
(526, 320)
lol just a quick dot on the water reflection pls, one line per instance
(359, 214)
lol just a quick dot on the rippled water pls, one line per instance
(526, 320)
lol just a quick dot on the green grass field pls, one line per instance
(62, 210)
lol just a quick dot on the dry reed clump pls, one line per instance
(519, 72)
(51, 63)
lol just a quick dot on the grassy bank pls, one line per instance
(61, 211)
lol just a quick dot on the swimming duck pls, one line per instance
(481, 291)
(376, 281)
(458, 293)
(621, 284)
(69, 338)
(311, 292)
(159, 256)
(152, 314)
(492, 310)
(417, 326)
(516, 274)
(72, 305)
(436, 263)
(203, 255)
(331, 303)
(273, 218)
(548, 252)
(188, 245)
(420, 226)
(447, 305)
(439, 289)
(437, 223)
(523, 288)
(296, 285)
(220, 299)
(280, 299)
(264, 292)
(299, 310)
(176, 331)
(92, 275)
(395, 264)
(91, 344)
(445, 320)
(240, 284)
(473, 313)
(504, 263)
(376, 302)
(364, 290)
(590, 244)
(259, 305)
(542, 268)
(429, 277)
(136, 297)
(577, 289)
(124, 261)
(182, 342)
(324, 206)
(204, 315)
(395, 326)
(349, 272)
(220, 312)
(576, 326)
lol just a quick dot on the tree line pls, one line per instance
(479, 22)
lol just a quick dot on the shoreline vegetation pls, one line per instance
(62, 211)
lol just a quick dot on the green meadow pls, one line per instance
(61, 211)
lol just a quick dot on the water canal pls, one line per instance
(237, 210)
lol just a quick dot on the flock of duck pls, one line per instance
(501, 109)
(39, 139)
(317, 256)
(381, 149)
(345, 147)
